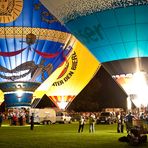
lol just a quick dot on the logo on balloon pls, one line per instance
(68, 71)
(90, 34)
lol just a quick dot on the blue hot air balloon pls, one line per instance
(33, 44)
(115, 31)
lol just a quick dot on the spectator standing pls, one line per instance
(120, 123)
(10, 118)
(1, 119)
(14, 118)
(142, 116)
(92, 123)
(21, 119)
(32, 121)
(129, 121)
(81, 124)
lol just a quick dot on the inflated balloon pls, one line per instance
(115, 31)
(33, 44)
(74, 77)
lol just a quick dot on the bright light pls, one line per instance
(63, 103)
(139, 81)
(137, 86)
(129, 104)
(141, 89)
(141, 99)
(19, 93)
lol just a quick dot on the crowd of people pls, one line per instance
(131, 119)
(124, 121)
(15, 116)
(136, 125)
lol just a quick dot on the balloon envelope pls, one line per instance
(32, 42)
(80, 68)
(114, 31)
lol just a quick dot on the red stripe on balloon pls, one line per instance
(9, 54)
(47, 55)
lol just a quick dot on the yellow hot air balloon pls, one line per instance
(80, 68)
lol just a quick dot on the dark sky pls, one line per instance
(101, 92)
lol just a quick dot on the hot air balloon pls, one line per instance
(33, 44)
(73, 78)
(115, 31)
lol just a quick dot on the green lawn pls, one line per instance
(61, 136)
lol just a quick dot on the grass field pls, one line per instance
(61, 136)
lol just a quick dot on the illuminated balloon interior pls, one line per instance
(33, 44)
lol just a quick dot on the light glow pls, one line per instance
(136, 86)
(19, 93)
(141, 89)
(63, 103)
(129, 104)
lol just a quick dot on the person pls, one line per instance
(21, 120)
(14, 119)
(142, 116)
(10, 118)
(32, 121)
(120, 123)
(81, 124)
(1, 119)
(92, 123)
(27, 117)
(129, 121)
